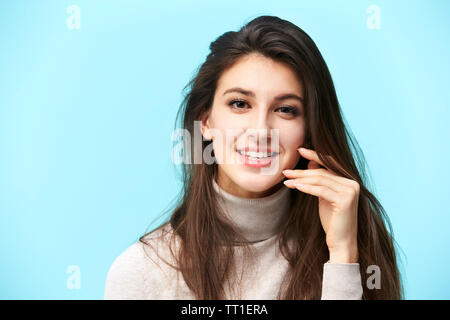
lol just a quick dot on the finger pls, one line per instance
(319, 191)
(319, 180)
(312, 155)
(321, 172)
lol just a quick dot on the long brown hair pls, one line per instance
(197, 220)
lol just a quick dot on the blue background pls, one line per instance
(86, 117)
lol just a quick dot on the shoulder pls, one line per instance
(140, 269)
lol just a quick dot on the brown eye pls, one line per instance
(288, 109)
(238, 104)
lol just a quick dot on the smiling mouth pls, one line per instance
(252, 155)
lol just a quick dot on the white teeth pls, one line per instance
(257, 155)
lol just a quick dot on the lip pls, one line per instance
(264, 162)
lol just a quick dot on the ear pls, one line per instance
(205, 128)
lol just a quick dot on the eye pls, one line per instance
(238, 104)
(288, 109)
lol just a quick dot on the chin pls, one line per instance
(257, 183)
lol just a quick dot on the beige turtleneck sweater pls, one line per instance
(138, 273)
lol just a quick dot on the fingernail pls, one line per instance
(288, 182)
(287, 171)
(303, 149)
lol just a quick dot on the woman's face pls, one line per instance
(253, 97)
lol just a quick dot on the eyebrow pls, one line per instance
(249, 93)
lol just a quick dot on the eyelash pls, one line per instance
(292, 110)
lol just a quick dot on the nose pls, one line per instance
(260, 130)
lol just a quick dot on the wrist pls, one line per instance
(348, 255)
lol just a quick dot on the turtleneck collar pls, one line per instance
(256, 218)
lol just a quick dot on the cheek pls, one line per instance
(292, 138)
(225, 134)
(292, 134)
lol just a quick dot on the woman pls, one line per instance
(245, 227)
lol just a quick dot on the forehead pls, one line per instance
(261, 75)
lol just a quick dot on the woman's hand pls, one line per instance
(338, 205)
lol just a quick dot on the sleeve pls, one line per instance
(125, 278)
(341, 281)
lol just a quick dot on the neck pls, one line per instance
(256, 218)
